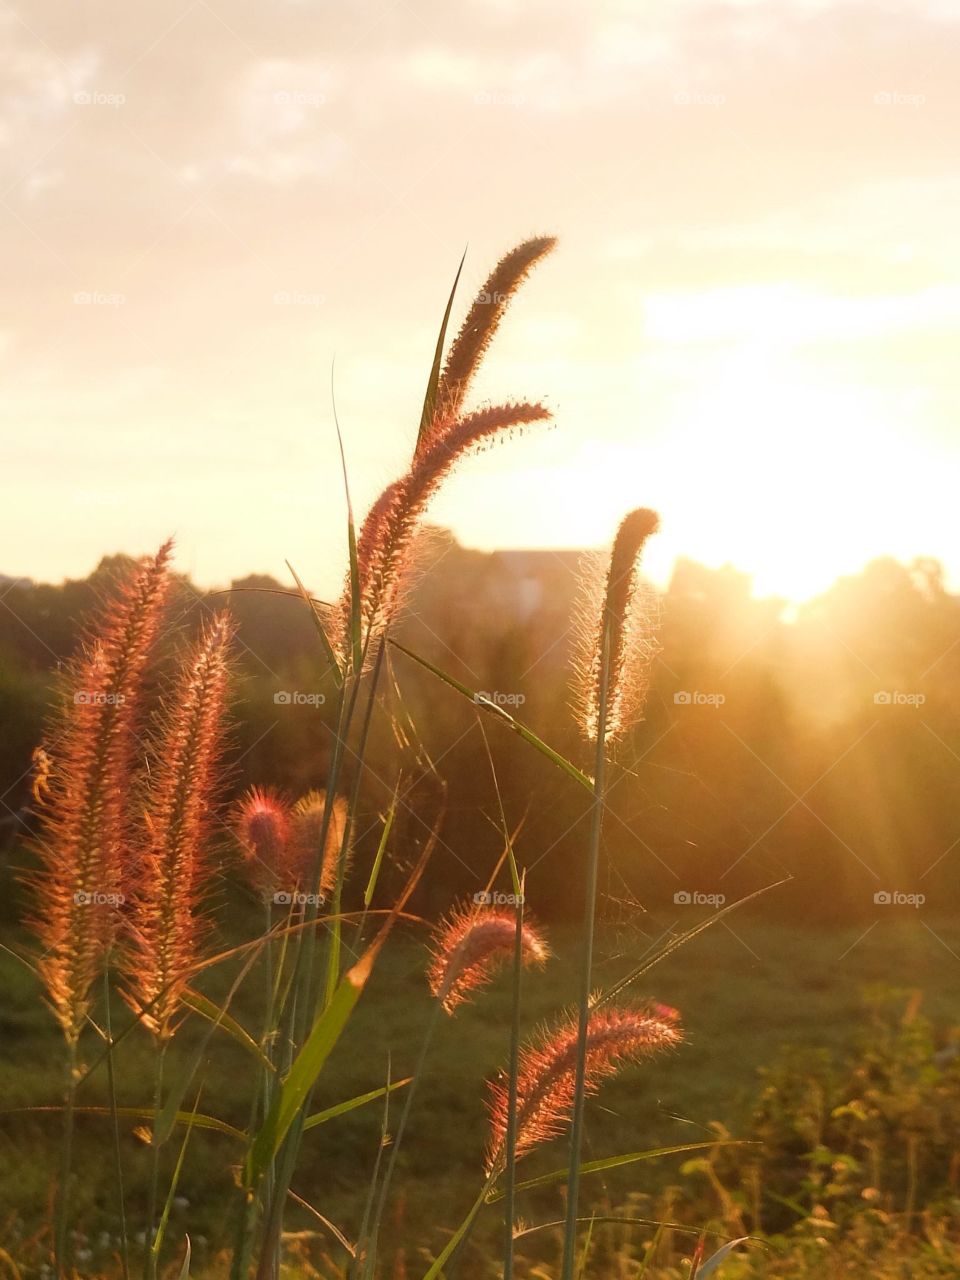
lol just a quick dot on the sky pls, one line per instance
(213, 212)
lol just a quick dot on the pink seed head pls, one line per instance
(471, 945)
(263, 830)
(547, 1074)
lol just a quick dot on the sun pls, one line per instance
(792, 476)
(792, 468)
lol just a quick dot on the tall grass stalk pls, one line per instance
(150, 1256)
(509, 1209)
(260, 1104)
(333, 963)
(368, 1258)
(462, 1233)
(303, 1000)
(115, 1125)
(586, 962)
(66, 1159)
(519, 889)
(362, 1235)
(306, 995)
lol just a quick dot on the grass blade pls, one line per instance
(356, 648)
(430, 399)
(174, 1183)
(307, 1065)
(196, 1119)
(362, 1237)
(582, 1269)
(651, 1252)
(615, 1162)
(720, 1256)
(381, 849)
(318, 623)
(676, 943)
(614, 1218)
(361, 1100)
(206, 1008)
(510, 721)
(330, 1226)
(184, 1272)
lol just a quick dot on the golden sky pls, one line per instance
(751, 322)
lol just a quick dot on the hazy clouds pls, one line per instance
(203, 202)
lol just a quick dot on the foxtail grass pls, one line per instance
(467, 950)
(607, 677)
(84, 793)
(549, 1069)
(146, 830)
(479, 328)
(171, 876)
(172, 872)
(385, 545)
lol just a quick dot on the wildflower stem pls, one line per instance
(370, 1257)
(303, 999)
(150, 1257)
(590, 910)
(511, 1141)
(451, 1250)
(333, 967)
(267, 1076)
(66, 1159)
(118, 1162)
(240, 1264)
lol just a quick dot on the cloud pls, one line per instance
(700, 160)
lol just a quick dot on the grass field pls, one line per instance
(743, 993)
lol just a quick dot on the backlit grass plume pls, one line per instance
(471, 945)
(84, 799)
(478, 329)
(386, 541)
(623, 617)
(262, 824)
(468, 947)
(545, 1082)
(173, 871)
(307, 828)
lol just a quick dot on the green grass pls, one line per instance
(742, 994)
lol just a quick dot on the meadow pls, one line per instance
(746, 997)
(324, 1023)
